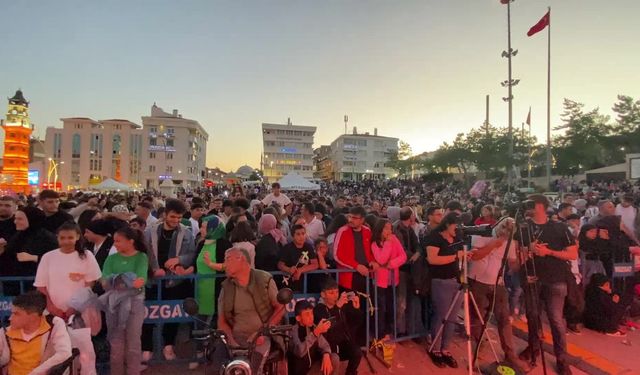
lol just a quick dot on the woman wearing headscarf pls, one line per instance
(210, 249)
(210, 260)
(269, 246)
(28, 245)
(591, 252)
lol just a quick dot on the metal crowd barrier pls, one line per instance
(160, 311)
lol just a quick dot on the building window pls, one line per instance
(153, 129)
(96, 145)
(152, 168)
(57, 145)
(169, 142)
(117, 143)
(95, 164)
(153, 142)
(152, 155)
(169, 168)
(75, 146)
(169, 155)
(135, 146)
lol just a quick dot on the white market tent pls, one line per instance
(110, 184)
(293, 181)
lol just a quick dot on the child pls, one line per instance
(297, 258)
(389, 255)
(124, 337)
(64, 271)
(308, 344)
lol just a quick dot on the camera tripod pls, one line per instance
(530, 288)
(468, 299)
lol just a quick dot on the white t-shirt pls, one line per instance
(195, 227)
(97, 247)
(64, 274)
(281, 199)
(628, 215)
(151, 220)
(314, 229)
(486, 269)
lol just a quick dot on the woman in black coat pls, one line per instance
(269, 247)
(29, 244)
(604, 311)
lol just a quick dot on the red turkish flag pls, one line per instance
(504, 1)
(544, 22)
(529, 117)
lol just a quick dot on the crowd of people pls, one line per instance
(91, 252)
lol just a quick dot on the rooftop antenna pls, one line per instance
(346, 120)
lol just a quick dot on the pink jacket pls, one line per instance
(390, 257)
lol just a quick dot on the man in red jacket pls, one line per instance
(352, 250)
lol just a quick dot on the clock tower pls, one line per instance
(17, 133)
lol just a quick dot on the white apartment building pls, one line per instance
(85, 152)
(287, 148)
(175, 148)
(357, 157)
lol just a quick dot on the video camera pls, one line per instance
(485, 230)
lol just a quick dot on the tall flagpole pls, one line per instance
(509, 83)
(549, 102)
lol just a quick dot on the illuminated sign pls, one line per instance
(34, 177)
(288, 150)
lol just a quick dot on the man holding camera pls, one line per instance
(342, 309)
(551, 248)
(486, 263)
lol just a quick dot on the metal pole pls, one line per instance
(529, 159)
(510, 99)
(549, 102)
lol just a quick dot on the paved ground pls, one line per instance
(591, 352)
(411, 358)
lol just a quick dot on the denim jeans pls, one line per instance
(552, 297)
(417, 314)
(401, 303)
(484, 295)
(512, 282)
(442, 293)
(125, 343)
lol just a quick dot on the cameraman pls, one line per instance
(553, 247)
(343, 308)
(486, 262)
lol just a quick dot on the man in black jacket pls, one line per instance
(48, 201)
(403, 229)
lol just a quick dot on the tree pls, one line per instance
(581, 146)
(404, 150)
(628, 111)
(256, 175)
(401, 160)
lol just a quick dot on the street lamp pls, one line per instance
(53, 168)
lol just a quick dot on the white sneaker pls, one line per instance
(146, 356)
(195, 364)
(168, 353)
